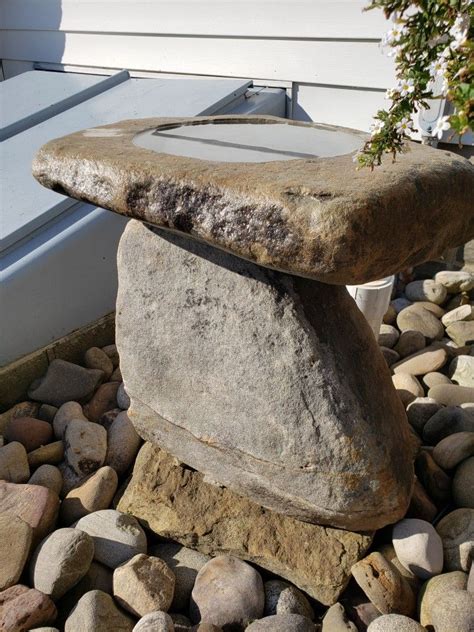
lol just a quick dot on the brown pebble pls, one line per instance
(23, 608)
(95, 358)
(384, 585)
(421, 505)
(435, 480)
(104, 399)
(453, 449)
(36, 505)
(23, 409)
(94, 494)
(52, 453)
(30, 432)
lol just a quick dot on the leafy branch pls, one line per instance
(432, 43)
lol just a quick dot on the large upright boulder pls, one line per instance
(270, 384)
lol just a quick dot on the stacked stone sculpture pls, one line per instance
(241, 350)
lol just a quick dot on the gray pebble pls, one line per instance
(284, 598)
(157, 621)
(395, 623)
(280, 622)
(227, 592)
(117, 536)
(453, 611)
(66, 413)
(463, 484)
(123, 443)
(420, 410)
(65, 382)
(60, 561)
(336, 620)
(48, 476)
(96, 612)
(457, 533)
(388, 336)
(14, 466)
(185, 564)
(445, 422)
(123, 400)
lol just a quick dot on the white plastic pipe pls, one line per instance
(373, 300)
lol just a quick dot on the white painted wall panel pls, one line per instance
(330, 62)
(232, 18)
(342, 106)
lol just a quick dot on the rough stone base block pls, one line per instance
(270, 384)
(175, 502)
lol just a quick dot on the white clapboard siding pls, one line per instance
(231, 18)
(353, 108)
(329, 62)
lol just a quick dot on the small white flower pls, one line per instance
(442, 125)
(459, 31)
(404, 126)
(394, 51)
(393, 36)
(405, 87)
(391, 93)
(376, 127)
(438, 67)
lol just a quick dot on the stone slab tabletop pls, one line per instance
(309, 213)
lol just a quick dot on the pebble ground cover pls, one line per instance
(70, 560)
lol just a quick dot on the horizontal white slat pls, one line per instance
(252, 18)
(335, 63)
(337, 106)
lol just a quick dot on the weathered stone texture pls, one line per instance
(270, 384)
(320, 218)
(175, 502)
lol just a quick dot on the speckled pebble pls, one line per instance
(463, 484)
(227, 592)
(284, 598)
(433, 588)
(60, 561)
(96, 611)
(453, 612)
(280, 622)
(155, 622)
(85, 446)
(144, 584)
(395, 623)
(456, 530)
